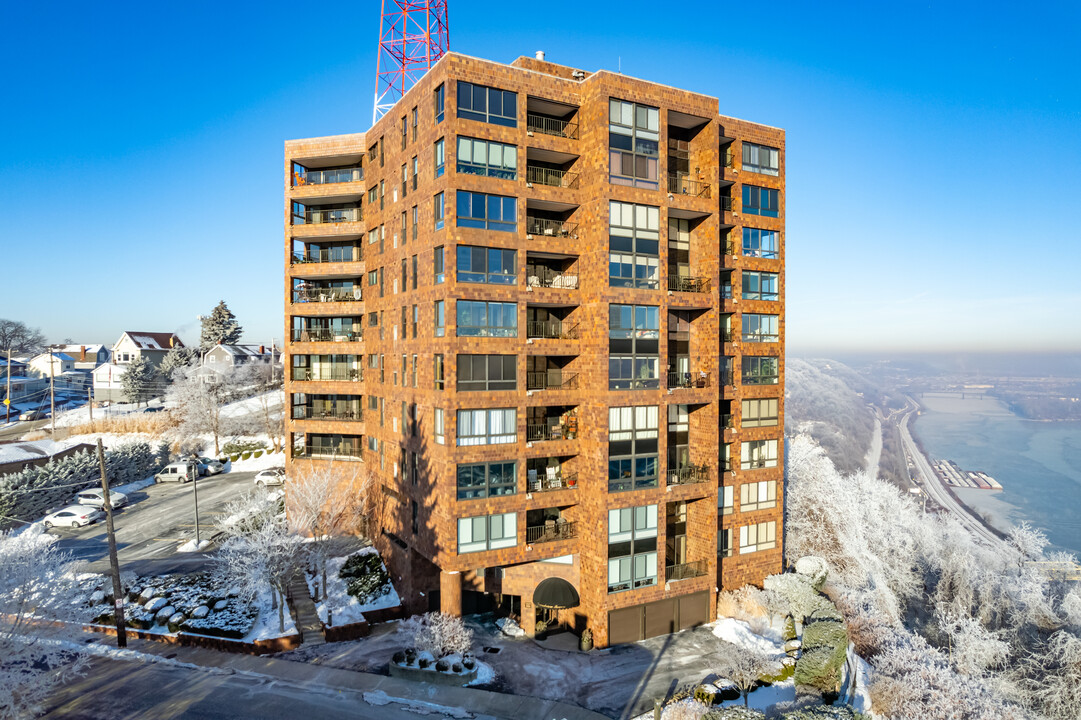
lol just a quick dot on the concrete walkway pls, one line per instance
(305, 613)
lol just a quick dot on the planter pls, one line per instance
(432, 676)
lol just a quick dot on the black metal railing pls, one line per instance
(550, 380)
(337, 450)
(538, 432)
(727, 423)
(307, 412)
(551, 330)
(688, 379)
(315, 216)
(685, 283)
(315, 294)
(684, 571)
(326, 335)
(728, 158)
(562, 481)
(551, 228)
(726, 203)
(688, 475)
(546, 125)
(552, 531)
(328, 176)
(680, 184)
(327, 255)
(325, 372)
(547, 278)
(551, 177)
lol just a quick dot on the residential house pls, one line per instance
(26, 393)
(132, 345)
(16, 457)
(87, 357)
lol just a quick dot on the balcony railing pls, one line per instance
(684, 571)
(680, 184)
(729, 247)
(548, 278)
(726, 291)
(550, 380)
(677, 380)
(305, 412)
(551, 126)
(552, 531)
(314, 216)
(551, 228)
(328, 176)
(338, 450)
(544, 431)
(562, 481)
(307, 295)
(726, 203)
(554, 178)
(728, 158)
(327, 255)
(725, 378)
(688, 475)
(727, 423)
(323, 372)
(326, 335)
(684, 283)
(728, 335)
(551, 330)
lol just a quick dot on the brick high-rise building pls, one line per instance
(543, 309)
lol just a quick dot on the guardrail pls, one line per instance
(550, 228)
(553, 178)
(551, 126)
(684, 571)
(329, 176)
(552, 532)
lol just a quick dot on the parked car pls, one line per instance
(73, 516)
(154, 409)
(183, 471)
(210, 466)
(96, 498)
(33, 415)
(270, 476)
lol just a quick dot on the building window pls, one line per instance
(760, 243)
(724, 500)
(487, 372)
(416, 216)
(756, 454)
(440, 319)
(478, 318)
(414, 369)
(415, 167)
(488, 532)
(414, 270)
(489, 212)
(487, 265)
(439, 268)
(634, 333)
(761, 159)
(760, 412)
(760, 201)
(382, 189)
(439, 210)
(438, 430)
(634, 239)
(488, 426)
(760, 328)
(477, 102)
(759, 285)
(632, 448)
(440, 157)
(759, 370)
(416, 319)
(632, 548)
(487, 480)
(724, 543)
(440, 101)
(483, 157)
(758, 495)
(405, 132)
(405, 273)
(761, 536)
(437, 371)
(633, 135)
(405, 177)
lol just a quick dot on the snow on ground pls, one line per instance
(345, 607)
(739, 633)
(510, 628)
(254, 464)
(134, 486)
(765, 697)
(81, 415)
(266, 625)
(380, 697)
(485, 674)
(254, 404)
(113, 440)
(192, 546)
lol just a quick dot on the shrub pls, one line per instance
(398, 658)
(469, 663)
(456, 668)
(410, 656)
(684, 710)
(239, 446)
(789, 632)
(820, 668)
(423, 662)
(827, 633)
(439, 634)
(824, 712)
(365, 577)
(441, 665)
(734, 713)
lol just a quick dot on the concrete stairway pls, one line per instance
(304, 613)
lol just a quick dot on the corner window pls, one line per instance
(440, 157)
(439, 428)
(490, 105)
(492, 159)
(757, 454)
(477, 318)
(439, 210)
(437, 370)
(487, 480)
(760, 243)
(633, 136)
(761, 159)
(760, 201)
(488, 212)
(488, 532)
(438, 265)
(440, 101)
(760, 285)
(759, 370)
(760, 328)
(487, 426)
(487, 265)
(724, 500)
(440, 320)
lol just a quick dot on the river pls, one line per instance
(1037, 463)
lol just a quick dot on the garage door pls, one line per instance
(693, 610)
(625, 625)
(657, 618)
(661, 618)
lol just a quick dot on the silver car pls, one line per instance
(270, 476)
(73, 516)
(210, 466)
(96, 498)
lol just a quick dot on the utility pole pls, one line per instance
(7, 398)
(195, 488)
(90, 402)
(52, 393)
(114, 563)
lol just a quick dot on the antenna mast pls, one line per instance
(413, 35)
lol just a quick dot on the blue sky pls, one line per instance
(933, 152)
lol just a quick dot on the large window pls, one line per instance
(487, 265)
(634, 238)
(488, 532)
(759, 412)
(439, 210)
(756, 454)
(633, 135)
(760, 328)
(724, 499)
(632, 448)
(760, 201)
(760, 536)
(487, 372)
(634, 333)
(440, 157)
(490, 212)
(487, 480)
(632, 548)
(759, 370)
(439, 427)
(477, 318)
(490, 105)
(760, 243)
(482, 157)
(760, 285)
(496, 426)
(761, 159)
(757, 495)
(440, 321)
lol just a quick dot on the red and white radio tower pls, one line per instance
(413, 34)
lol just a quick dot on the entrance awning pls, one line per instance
(555, 593)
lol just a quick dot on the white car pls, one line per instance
(210, 466)
(96, 498)
(270, 476)
(73, 516)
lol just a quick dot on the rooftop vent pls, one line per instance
(539, 54)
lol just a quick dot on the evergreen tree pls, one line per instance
(140, 380)
(178, 357)
(220, 327)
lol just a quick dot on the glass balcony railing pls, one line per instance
(326, 335)
(317, 294)
(329, 176)
(327, 372)
(316, 216)
(328, 255)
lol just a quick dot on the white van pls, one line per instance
(184, 471)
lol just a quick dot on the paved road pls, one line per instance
(154, 523)
(19, 429)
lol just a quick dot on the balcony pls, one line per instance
(539, 432)
(544, 277)
(551, 330)
(550, 380)
(319, 216)
(331, 412)
(688, 475)
(726, 203)
(309, 294)
(727, 423)
(326, 335)
(684, 283)
(726, 378)
(550, 228)
(328, 176)
(680, 184)
(556, 481)
(536, 175)
(551, 423)
(688, 380)
(684, 571)
(728, 158)
(548, 125)
(327, 255)
(326, 448)
(327, 373)
(551, 531)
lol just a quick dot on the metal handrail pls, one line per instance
(684, 283)
(552, 228)
(681, 184)
(726, 203)
(551, 533)
(553, 178)
(684, 571)
(328, 176)
(728, 158)
(688, 379)
(551, 330)
(328, 295)
(688, 475)
(562, 481)
(326, 335)
(326, 255)
(337, 215)
(348, 450)
(550, 380)
(306, 412)
(538, 432)
(322, 373)
(547, 278)
(535, 122)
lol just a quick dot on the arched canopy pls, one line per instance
(555, 593)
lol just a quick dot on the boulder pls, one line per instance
(98, 596)
(220, 605)
(163, 614)
(200, 612)
(156, 604)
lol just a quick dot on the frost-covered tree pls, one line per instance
(19, 338)
(177, 357)
(220, 327)
(1055, 678)
(972, 648)
(141, 380)
(200, 398)
(36, 580)
(439, 634)
(745, 667)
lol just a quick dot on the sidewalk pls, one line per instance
(477, 702)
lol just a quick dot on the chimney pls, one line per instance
(539, 54)
(262, 350)
(82, 353)
(172, 339)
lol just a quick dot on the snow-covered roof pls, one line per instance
(153, 340)
(62, 357)
(245, 350)
(106, 368)
(77, 350)
(29, 451)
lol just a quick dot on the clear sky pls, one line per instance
(934, 193)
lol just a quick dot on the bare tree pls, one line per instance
(20, 338)
(200, 398)
(745, 667)
(265, 383)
